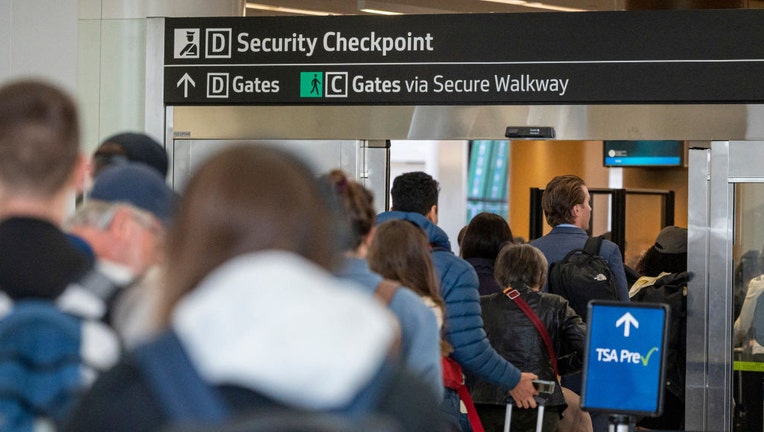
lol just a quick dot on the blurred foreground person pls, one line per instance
(256, 323)
(49, 353)
(123, 222)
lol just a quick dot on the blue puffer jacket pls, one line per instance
(464, 324)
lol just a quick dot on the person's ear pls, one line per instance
(120, 225)
(368, 238)
(80, 173)
(432, 215)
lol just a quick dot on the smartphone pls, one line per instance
(542, 386)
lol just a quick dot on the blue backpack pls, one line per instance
(40, 364)
(44, 365)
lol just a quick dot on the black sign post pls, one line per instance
(692, 56)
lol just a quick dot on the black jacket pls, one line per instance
(515, 337)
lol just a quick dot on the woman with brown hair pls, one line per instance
(251, 305)
(419, 329)
(400, 252)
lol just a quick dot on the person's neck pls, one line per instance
(52, 209)
(360, 252)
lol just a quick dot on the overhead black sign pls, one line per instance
(695, 56)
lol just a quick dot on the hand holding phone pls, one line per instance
(543, 386)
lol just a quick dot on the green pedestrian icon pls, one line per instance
(311, 84)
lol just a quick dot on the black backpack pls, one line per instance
(583, 275)
(671, 289)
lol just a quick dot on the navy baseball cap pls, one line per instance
(136, 184)
(133, 147)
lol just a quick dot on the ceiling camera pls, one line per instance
(529, 132)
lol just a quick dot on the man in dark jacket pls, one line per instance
(415, 198)
(40, 169)
(566, 207)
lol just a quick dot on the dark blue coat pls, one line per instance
(464, 323)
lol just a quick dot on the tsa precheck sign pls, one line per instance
(624, 358)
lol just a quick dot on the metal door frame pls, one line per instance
(713, 174)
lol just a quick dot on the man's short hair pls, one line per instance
(415, 192)
(561, 194)
(39, 137)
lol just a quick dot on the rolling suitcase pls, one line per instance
(539, 419)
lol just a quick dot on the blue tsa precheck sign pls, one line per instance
(625, 358)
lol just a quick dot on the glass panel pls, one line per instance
(748, 283)
(487, 178)
(643, 223)
(600, 222)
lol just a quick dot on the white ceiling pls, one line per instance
(352, 7)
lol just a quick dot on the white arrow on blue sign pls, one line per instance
(627, 320)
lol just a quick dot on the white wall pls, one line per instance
(447, 162)
(95, 50)
(112, 75)
(38, 38)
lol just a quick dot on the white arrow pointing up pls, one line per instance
(627, 320)
(185, 80)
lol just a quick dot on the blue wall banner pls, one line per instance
(625, 358)
(680, 56)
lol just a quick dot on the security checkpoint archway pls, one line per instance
(633, 86)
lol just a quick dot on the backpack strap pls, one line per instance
(593, 245)
(183, 394)
(90, 296)
(386, 290)
(99, 285)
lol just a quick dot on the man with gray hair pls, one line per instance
(124, 222)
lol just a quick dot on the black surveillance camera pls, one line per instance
(529, 132)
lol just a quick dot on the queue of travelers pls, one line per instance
(260, 295)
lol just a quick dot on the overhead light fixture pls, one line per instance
(384, 8)
(270, 8)
(380, 12)
(537, 5)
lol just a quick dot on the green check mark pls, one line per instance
(646, 358)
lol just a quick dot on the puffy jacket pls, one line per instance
(464, 324)
(513, 335)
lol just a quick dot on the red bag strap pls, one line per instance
(514, 295)
(454, 380)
